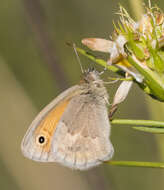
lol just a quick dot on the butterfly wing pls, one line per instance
(37, 141)
(81, 140)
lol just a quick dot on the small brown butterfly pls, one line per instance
(74, 128)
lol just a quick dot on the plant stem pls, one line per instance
(136, 164)
(148, 123)
(100, 61)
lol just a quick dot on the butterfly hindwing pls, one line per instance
(81, 140)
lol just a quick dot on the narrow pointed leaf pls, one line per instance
(150, 130)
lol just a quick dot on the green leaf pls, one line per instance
(157, 60)
(150, 130)
(137, 49)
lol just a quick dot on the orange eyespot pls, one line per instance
(41, 140)
(46, 128)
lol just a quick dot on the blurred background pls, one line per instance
(36, 65)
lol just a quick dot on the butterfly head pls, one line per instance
(91, 76)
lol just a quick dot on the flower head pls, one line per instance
(137, 48)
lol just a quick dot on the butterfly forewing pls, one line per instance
(36, 144)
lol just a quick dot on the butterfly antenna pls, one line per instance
(78, 59)
(103, 71)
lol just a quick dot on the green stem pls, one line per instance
(100, 62)
(152, 79)
(148, 123)
(138, 123)
(136, 164)
(110, 68)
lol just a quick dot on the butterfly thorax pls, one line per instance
(93, 85)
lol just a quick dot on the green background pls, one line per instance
(36, 65)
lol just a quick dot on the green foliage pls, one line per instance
(141, 45)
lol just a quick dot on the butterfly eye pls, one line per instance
(41, 140)
(97, 84)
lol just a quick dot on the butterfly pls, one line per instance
(74, 128)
